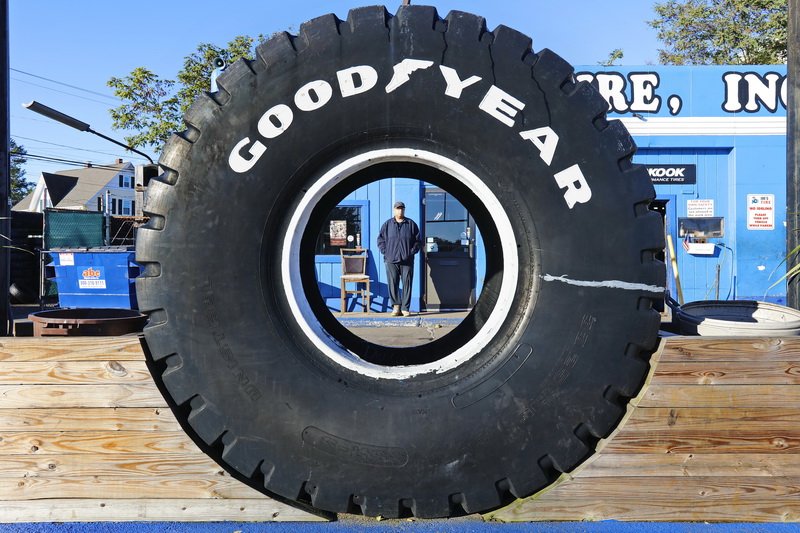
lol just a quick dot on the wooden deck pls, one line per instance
(86, 436)
(714, 436)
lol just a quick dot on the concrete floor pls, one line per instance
(386, 330)
(401, 336)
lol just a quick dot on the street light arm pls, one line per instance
(79, 125)
(58, 116)
(90, 130)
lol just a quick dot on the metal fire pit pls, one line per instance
(87, 322)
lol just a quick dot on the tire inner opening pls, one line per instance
(422, 342)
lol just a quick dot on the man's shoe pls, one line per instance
(396, 310)
(406, 313)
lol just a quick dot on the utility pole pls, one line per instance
(793, 154)
(5, 174)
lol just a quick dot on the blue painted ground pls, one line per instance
(399, 526)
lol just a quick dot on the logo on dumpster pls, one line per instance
(91, 273)
(92, 278)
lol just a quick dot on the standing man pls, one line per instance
(398, 241)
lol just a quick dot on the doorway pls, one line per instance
(449, 236)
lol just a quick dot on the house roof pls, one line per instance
(91, 181)
(25, 203)
(58, 185)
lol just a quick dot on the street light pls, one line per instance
(79, 125)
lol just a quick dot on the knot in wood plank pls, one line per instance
(117, 369)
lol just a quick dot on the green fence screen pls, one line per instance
(72, 229)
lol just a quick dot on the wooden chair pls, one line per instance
(354, 270)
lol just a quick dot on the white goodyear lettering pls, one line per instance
(504, 108)
(356, 80)
(359, 79)
(403, 70)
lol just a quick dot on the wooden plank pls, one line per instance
(92, 419)
(730, 349)
(261, 509)
(79, 396)
(607, 465)
(728, 441)
(152, 487)
(120, 442)
(711, 418)
(773, 396)
(594, 509)
(728, 373)
(679, 488)
(73, 372)
(126, 348)
(108, 465)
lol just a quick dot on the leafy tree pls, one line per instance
(717, 32)
(153, 111)
(615, 55)
(155, 105)
(20, 187)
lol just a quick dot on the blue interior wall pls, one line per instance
(377, 200)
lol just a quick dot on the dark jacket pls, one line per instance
(399, 241)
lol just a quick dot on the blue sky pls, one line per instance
(84, 43)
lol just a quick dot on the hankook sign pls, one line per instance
(673, 174)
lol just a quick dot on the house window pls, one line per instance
(341, 229)
(126, 207)
(125, 181)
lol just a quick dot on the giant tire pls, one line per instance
(273, 388)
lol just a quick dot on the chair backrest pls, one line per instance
(354, 261)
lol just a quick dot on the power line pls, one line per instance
(68, 161)
(64, 84)
(64, 146)
(63, 92)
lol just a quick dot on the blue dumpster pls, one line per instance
(101, 277)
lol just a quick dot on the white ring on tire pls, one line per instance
(308, 322)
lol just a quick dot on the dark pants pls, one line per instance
(394, 273)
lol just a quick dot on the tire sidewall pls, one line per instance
(498, 412)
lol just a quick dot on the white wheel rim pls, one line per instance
(307, 320)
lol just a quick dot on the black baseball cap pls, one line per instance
(399, 204)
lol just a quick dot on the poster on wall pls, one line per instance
(338, 232)
(700, 208)
(760, 211)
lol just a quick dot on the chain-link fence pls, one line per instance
(73, 229)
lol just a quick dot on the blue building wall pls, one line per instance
(729, 122)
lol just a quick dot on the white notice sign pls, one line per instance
(699, 208)
(760, 211)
